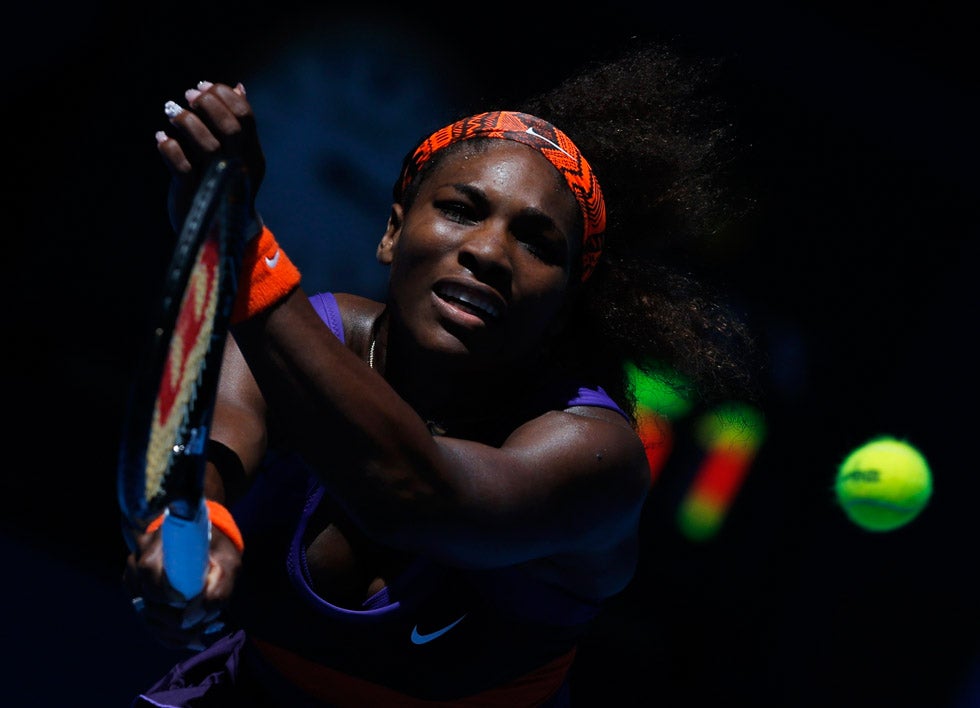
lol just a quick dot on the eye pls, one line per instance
(458, 211)
(544, 250)
(541, 240)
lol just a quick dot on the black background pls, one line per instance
(857, 271)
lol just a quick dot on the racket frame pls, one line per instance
(217, 218)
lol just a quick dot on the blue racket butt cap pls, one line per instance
(186, 536)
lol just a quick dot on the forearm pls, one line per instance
(238, 436)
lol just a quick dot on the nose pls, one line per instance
(486, 253)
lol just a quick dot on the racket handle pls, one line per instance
(185, 549)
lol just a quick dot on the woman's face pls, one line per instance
(482, 262)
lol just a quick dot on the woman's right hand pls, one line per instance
(176, 621)
(217, 122)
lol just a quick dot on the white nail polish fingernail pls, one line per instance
(191, 94)
(160, 136)
(241, 88)
(204, 85)
(172, 109)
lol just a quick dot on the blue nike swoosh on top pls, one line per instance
(419, 638)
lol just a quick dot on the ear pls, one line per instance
(386, 249)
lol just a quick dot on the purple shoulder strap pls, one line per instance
(325, 305)
(594, 397)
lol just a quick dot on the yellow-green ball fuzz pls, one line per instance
(883, 484)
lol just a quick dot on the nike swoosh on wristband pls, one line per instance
(419, 638)
(272, 262)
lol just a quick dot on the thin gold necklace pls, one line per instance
(434, 428)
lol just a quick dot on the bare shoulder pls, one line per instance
(615, 445)
(357, 305)
(594, 466)
(609, 487)
(604, 431)
(358, 314)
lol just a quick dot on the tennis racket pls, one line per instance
(168, 417)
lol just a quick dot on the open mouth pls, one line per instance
(468, 300)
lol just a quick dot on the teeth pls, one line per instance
(474, 300)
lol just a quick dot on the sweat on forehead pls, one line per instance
(539, 134)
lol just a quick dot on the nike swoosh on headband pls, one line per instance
(271, 262)
(419, 638)
(556, 146)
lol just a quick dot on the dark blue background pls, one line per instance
(857, 271)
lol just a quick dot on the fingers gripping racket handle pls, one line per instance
(185, 548)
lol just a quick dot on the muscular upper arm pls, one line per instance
(570, 482)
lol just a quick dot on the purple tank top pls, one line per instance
(435, 631)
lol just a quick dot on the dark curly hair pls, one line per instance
(657, 137)
(660, 142)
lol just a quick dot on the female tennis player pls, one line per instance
(426, 500)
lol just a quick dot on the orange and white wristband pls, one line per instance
(221, 519)
(267, 277)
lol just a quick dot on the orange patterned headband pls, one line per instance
(546, 139)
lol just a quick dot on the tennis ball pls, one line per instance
(883, 484)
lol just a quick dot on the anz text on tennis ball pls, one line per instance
(883, 484)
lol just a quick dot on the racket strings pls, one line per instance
(184, 368)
